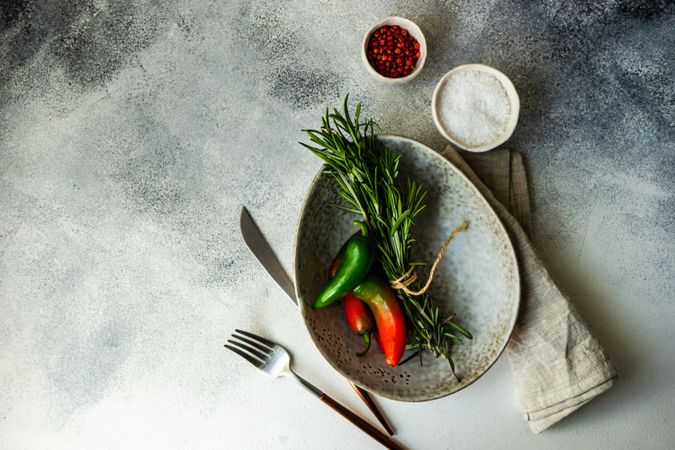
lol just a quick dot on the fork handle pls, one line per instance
(362, 424)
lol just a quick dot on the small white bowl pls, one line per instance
(414, 31)
(510, 92)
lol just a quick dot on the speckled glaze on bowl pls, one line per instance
(478, 279)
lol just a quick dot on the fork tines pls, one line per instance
(256, 350)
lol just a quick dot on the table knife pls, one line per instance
(256, 242)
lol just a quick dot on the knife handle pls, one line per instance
(362, 424)
(368, 400)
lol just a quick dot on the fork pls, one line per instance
(275, 361)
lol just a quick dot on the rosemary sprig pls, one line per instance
(367, 181)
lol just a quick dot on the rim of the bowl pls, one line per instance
(511, 92)
(423, 50)
(303, 308)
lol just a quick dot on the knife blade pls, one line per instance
(261, 249)
(256, 242)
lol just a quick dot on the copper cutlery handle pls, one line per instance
(368, 400)
(362, 424)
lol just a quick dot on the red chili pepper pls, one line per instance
(360, 320)
(391, 335)
(378, 340)
(388, 315)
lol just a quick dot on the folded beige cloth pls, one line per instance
(557, 364)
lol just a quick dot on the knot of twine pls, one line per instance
(410, 276)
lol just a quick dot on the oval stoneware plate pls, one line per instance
(477, 279)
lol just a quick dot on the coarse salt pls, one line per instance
(473, 107)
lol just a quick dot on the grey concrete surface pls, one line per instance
(131, 132)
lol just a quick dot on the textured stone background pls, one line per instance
(131, 132)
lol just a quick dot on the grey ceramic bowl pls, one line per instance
(477, 279)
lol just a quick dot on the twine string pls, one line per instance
(410, 276)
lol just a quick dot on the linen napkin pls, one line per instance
(558, 366)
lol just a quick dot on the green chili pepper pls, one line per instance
(359, 255)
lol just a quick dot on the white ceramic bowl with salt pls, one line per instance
(475, 107)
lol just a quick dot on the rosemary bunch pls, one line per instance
(367, 181)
